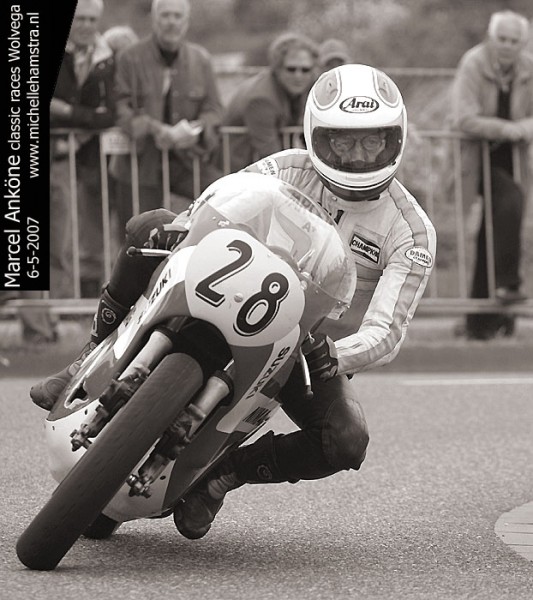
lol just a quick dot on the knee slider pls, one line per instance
(345, 434)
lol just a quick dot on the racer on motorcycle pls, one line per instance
(355, 128)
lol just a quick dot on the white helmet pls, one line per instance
(355, 126)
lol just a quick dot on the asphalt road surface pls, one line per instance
(448, 455)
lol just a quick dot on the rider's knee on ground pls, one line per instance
(345, 434)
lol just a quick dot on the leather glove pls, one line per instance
(167, 236)
(321, 355)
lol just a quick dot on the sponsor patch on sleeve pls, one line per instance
(420, 256)
(268, 166)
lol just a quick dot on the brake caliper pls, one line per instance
(180, 433)
(111, 401)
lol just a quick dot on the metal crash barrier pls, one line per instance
(431, 170)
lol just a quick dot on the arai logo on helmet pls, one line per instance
(359, 104)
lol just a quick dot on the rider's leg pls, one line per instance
(128, 280)
(333, 437)
(108, 316)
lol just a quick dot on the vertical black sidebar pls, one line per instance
(33, 36)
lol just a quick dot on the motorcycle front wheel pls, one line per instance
(93, 481)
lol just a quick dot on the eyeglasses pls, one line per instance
(291, 69)
(370, 143)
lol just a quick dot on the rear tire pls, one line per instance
(93, 481)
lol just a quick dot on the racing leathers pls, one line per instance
(393, 245)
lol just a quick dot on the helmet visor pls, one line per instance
(357, 150)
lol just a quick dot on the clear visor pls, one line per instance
(357, 150)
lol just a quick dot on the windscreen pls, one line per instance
(290, 224)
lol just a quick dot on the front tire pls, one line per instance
(93, 481)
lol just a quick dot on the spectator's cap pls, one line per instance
(334, 49)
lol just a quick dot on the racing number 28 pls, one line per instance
(263, 305)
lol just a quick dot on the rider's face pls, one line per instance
(358, 149)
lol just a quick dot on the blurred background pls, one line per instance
(417, 42)
(386, 33)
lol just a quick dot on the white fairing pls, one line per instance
(61, 459)
(249, 288)
(145, 308)
(241, 417)
(227, 300)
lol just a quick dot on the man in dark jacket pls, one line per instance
(83, 98)
(272, 99)
(167, 100)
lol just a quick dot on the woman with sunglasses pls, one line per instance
(272, 99)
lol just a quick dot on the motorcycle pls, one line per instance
(194, 369)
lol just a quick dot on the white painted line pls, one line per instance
(470, 381)
(521, 538)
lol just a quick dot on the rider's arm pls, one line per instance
(393, 303)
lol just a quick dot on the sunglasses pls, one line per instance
(291, 69)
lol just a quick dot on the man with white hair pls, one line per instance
(167, 99)
(492, 100)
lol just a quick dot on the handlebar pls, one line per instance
(133, 251)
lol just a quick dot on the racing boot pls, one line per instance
(108, 317)
(255, 463)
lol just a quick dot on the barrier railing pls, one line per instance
(447, 292)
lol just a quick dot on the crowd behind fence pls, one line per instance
(432, 171)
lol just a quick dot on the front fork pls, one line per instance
(120, 390)
(181, 432)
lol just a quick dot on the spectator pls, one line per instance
(167, 99)
(333, 53)
(492, 100)
(120, 37)
(272, 99)
(83, 98)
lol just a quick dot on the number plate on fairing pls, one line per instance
(252, 295)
